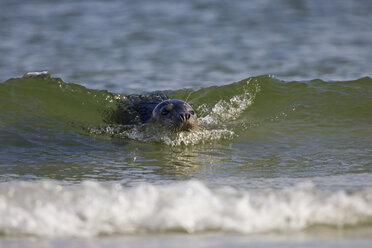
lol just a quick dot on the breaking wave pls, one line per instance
(46, 208)
(37, 99)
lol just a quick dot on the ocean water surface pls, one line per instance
(283, 92)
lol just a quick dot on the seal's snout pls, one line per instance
(184, 117)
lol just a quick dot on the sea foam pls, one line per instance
(46, 208)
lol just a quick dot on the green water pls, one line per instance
(258, 127)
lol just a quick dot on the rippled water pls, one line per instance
(279, 160)
(131, 46)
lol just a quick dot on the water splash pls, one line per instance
(229, 110)
(156, 134)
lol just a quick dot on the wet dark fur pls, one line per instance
(138, 109)
(134, 109)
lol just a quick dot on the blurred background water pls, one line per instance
(131, 46)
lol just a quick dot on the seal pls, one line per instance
(175, 115)
(156, 108)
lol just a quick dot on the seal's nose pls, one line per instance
(185, 117)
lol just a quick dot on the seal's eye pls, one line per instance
(192, 112)
(164, 112)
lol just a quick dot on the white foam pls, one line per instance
(36, 74)
(228, 110)
(149, 133)
(88, 209)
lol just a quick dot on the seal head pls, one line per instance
(175, 115)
